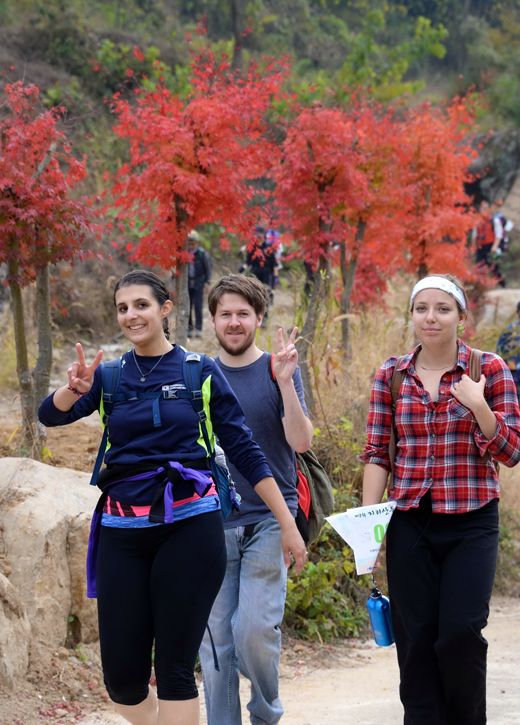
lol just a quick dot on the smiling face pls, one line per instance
(235, 324)
(435, 317)
(141, 317)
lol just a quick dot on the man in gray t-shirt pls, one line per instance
(247, 614)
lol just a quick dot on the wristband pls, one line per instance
(75, 391)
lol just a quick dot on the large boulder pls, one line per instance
(15, 635)
(44, 523)
(500, 307)
(497, 165)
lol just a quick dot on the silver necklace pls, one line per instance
(145, 375)
(437, 369)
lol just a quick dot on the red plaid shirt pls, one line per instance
(440, 445)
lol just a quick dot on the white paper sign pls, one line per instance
(364, 529)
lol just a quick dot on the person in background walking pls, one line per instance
(273, 242)
(508, 347)
(199, 276)
(442, 540)
(488, 234)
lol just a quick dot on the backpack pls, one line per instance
(507, 225)
(315, 492)
(192, 374)
(474, 371)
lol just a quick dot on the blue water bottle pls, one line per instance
(380, 620)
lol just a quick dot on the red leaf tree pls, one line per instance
(337, 190)
(374, 184)
(438, 145)
(40, 224)
(193, 161)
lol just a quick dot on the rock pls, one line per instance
(497, 165)
(500, 307)
(15, 635)
(44, 518)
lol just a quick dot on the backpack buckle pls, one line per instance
(170, 394)
(197, 395)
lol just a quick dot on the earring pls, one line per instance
(460, 329)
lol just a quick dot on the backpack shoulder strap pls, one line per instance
(271, 369)
(110, 378)
(475, 364)
(395, 388)
(396, 382)
(192, 373)
(474, 371)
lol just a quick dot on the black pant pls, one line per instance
(484, 258)
(441, 569)
(157, 583)
(196, 294)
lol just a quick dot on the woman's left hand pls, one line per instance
(285, 361)
(468, 392)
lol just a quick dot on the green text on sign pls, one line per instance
(379, 533)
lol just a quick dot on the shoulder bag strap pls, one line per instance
(395, 389)
(475, 371)
(110, 377)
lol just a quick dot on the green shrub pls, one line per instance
(507, 579)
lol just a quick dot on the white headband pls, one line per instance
(439, 283)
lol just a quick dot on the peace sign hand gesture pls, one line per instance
(285, 361)
(81, 375)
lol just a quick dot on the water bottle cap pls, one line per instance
(375, 593)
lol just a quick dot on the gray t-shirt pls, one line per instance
(263, 409)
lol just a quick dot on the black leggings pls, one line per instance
(440, 577)
(157, 583)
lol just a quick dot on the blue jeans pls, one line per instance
(245, 625)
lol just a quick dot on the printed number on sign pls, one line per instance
(379, 533)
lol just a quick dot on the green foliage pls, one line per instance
(508, 565)
(328, 599)
(323, 601)
(376, 64)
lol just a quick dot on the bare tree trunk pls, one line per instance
(29, 428)
(237, 18)
(181, 281)
(306, 337)
(42, 371)
(348, 274)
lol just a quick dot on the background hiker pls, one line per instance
(199, 276)
(247, 614)
(508, 347)
(488, 235)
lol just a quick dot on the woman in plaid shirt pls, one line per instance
(442, 540)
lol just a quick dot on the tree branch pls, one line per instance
(44, 163)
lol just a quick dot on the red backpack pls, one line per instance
(315, 492)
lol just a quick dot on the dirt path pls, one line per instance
(359, 685)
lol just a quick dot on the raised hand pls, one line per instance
(81, 375)
(286, 359)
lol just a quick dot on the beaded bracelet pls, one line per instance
(75, 391)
